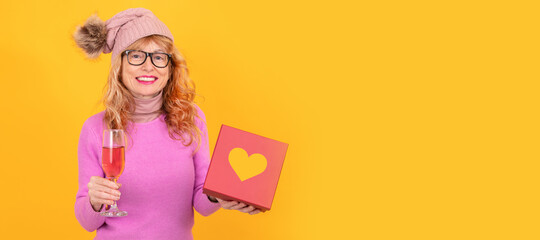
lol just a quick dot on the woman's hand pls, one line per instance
(102, 191)
(242, 207)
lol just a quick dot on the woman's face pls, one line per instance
(146, 80)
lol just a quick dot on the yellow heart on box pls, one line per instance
(246, 166)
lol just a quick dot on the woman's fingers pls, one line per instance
(102, 191)
(231, 205)
(251, 210)
(227, 204)
(242, 207)
(104, 182)
(100, 198)
(238, 206)
(101, 188)
(247, 209)
(254, 212)
(104, 195)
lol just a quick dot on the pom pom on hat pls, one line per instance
(117, 33)
(92, 36)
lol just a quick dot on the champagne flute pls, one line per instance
(112, 162)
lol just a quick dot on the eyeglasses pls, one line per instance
(137, 58)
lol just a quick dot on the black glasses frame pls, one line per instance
(146, 56)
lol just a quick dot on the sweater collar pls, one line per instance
(147, 110)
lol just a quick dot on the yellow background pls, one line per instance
(405, 119)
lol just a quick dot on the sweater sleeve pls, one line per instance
(88, 155)
(201, 161)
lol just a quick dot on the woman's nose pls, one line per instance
(147, 65)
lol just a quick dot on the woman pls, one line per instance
(150, 96)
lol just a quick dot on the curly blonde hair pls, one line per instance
(178, 95)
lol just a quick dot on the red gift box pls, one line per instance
(245, 167)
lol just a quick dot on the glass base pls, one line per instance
(116, 213)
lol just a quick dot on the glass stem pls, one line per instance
(113, 207)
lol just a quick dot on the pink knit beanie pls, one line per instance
(117, 33)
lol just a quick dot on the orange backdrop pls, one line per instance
(405, 119)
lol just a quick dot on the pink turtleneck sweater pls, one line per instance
(147, 110)
(161, 183)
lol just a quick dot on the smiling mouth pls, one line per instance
(146, 80)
